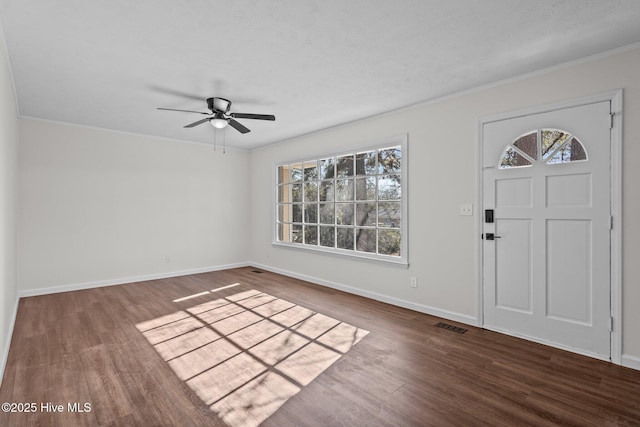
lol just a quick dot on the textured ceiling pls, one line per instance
(313, 64)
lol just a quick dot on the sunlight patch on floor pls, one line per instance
(199, 294)
(248, 353)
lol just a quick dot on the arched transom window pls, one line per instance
(550, 146)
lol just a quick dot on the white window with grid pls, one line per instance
(352, 203)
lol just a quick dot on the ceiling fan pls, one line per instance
(220, 117)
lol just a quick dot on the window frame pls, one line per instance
(394, 141)
(541, 157)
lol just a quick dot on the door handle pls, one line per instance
(491, 236)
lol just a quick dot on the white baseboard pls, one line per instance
(445, 314)
(632, 362)
(124, 280)
(7, 344)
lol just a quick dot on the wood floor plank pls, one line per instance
(124, 349)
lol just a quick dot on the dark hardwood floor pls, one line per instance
(267, 348)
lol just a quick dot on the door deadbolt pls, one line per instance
(488, 215)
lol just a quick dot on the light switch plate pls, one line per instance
(466, 209)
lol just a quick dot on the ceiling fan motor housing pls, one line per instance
(218, 104)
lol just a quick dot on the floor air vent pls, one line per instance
(451, 328)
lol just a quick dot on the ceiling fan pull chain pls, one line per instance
(224, 141)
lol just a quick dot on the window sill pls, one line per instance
(360, 256)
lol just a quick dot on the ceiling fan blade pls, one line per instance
(184, 111)
(174, 92)
(239, 127)
(253, 116)
(199, 122)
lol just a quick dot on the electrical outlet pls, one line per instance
(413, 282)
(466, 209)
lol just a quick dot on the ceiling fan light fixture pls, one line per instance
(219, 123)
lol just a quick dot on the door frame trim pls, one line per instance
(615, 97)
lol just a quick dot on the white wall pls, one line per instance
(101, 207)
(442, 175)
(8, 204)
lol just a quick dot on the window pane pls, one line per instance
(366, 163)
(311, 234)
(296, 211)
(284, 233)
(311, 191)
(345, 238)
(296, 173)
(328, 236)
(327, 191)
(365, 240)
(389, 214)
(327, 168)
(327, 214)
(578, 152)
(344, 189)
(366, 188)
(389, 187)
(390, 160)
(283, 193)
(366, 214)
(528, 144)
(389, 242)
(345, 166)
(572, 151)
(296, 193)
(310, 171)
(551, 140)
(512, 159)
(283, 174)
(344, 213)
(284, 213)
(310, 213)
(296, 233)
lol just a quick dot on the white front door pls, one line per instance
(546, 273)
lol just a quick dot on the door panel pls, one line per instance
(569, 190)
(547, 274)
(569, 270)
(513, 273)
(514, 192)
